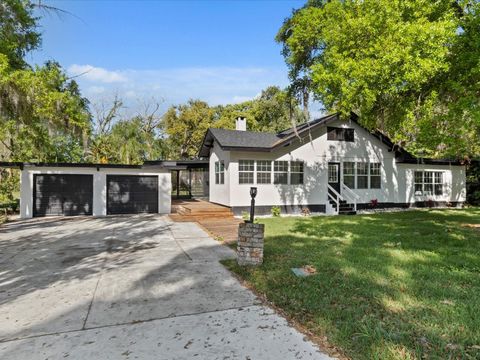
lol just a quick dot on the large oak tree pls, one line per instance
(408, 67)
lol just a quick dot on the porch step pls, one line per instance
(200, 208)
(188, 210)
(345, 208)
(347, 212)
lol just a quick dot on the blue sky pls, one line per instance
(218, 51)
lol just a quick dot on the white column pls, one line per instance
(99, 194)
(26, 194)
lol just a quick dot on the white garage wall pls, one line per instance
(99, 186)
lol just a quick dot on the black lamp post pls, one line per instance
(253, 193)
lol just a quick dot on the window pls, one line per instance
(418, 182)
(349, 174)
(245, 171)
(362, 175)
(375, 176)
(340, 134)
(438, 183)
(428, 182)
(333, 173)
(219, 172)
(296, 172)
(264, 172)
(280, 172)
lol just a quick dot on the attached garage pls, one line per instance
(132, 194)
(66, 195)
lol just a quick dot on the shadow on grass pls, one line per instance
(397, 285)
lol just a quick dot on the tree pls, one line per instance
(185, 126)
(400, 64)
(118, 138)
(273, 110)
(18, 31)
(42, 115)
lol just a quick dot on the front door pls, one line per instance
(334, 175)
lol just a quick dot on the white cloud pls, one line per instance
(96, 74)
(96, 89)
(215, 85)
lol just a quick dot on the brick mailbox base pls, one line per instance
(250, 244)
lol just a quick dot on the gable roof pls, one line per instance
(257, 141)
(267, 141)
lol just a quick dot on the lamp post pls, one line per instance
(253, 193)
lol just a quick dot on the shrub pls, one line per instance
(275, 211)
(373, 203)
(245, 215)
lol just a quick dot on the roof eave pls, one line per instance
(426, 161)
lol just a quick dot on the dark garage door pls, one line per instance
(131, 194)
(62, 195)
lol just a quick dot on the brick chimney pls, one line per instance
(241, 123)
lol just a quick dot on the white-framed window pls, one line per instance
(280, 172)
(349, 174)
(296, 172)
(219, 172)
(428, 182)
(375, 176)
(362, 175)
(333, 173)
(264, 172)
(246, 170)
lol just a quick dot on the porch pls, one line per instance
(218, 220)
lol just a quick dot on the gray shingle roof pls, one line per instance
(265, 141)
(257, 141)
(248, 139)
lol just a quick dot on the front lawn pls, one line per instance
(388, 286)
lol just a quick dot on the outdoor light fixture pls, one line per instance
(253, 193)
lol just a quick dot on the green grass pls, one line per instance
(388, 286)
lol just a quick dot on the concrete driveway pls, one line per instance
(136, 287)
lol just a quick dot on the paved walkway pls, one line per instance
(137, 287)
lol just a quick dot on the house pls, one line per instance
(326, 165)
(329, 165)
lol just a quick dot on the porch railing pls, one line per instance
(335, 197)
(350, 195)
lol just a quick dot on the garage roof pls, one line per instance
(21, 165)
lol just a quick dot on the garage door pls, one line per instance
(62, 195)
(132, 194)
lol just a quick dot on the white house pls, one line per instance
(327, 165)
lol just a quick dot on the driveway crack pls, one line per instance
(179, 245)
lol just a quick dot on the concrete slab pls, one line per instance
(53, 306)
(250, 333)
(130, 287)
(178, 288)
(187, 231)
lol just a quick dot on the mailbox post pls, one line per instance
(253, 194)
(250, 238)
